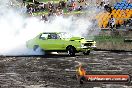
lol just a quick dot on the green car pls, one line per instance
(61, 42)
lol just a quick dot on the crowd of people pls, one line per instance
(70, 5)
(57, 9)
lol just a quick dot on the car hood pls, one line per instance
(76, 38)
(81, 39)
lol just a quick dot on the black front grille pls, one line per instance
(90, 41)
(88, 44)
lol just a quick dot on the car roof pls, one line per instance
(52, 32)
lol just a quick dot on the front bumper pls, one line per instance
(87, 47)
(84, 48)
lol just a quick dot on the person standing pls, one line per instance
(112, 22)
(106, 2)
(44, 18)
(107, 6)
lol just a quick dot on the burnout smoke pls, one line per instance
(16, 29)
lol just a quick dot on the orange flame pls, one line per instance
(81, 71)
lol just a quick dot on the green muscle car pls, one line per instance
(61, 41)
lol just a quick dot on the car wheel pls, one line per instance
(37, 48)
(71, 51)
(87, 52)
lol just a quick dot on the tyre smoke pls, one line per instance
(16, 28)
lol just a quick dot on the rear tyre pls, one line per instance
(37, 48)
(87, 52)
(71, 51)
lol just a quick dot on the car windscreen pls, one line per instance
(65, 35)
(43, 36)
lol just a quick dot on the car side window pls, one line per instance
(53, 36)
(43, 36)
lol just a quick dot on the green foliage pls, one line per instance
(109, 38)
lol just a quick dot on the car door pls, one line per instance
(43, 41)
(55, 42)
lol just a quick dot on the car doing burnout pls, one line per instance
(61, 41)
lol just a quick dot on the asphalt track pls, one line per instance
(58, 71)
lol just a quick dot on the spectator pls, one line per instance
(82, 4)
(42, 7)
(59, 11)
(44, 18)
(28, 7)
(50, 12)
(50, 5)
(80, 8)
(63, 3)
(36, 2)
(31, 10)
(129, 22)
(100, 6)
(74, 5)
(112, 22)
(107, 7)
(60, 4)
(106, 2)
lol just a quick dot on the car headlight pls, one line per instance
(94, 42)
(82, 45)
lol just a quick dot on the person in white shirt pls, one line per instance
(112, 22)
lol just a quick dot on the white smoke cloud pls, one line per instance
(16, 29)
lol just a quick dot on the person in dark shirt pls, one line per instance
(44, 18)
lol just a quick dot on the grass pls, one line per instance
(65, 12)
(112, 43)
(54, 1)
(102, 38)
